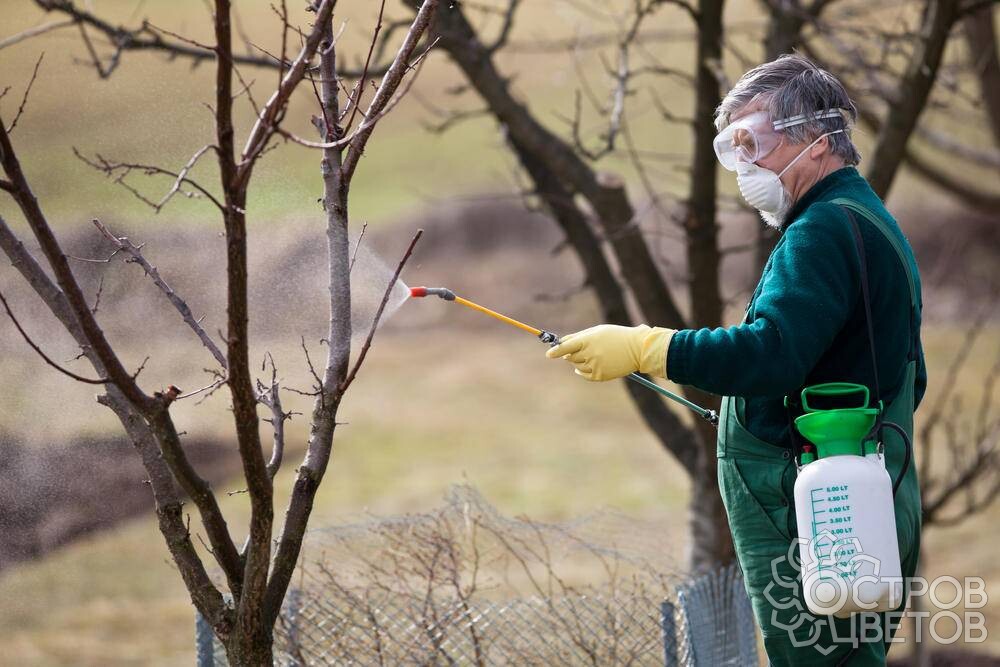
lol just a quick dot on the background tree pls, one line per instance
(256, 578)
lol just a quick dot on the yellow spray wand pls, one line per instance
(552, 339)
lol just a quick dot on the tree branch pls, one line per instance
(27, 91)
(145, 38)
(168, 504)
(912, 93)
(271, 398)
(44, 356)
(244, 399)
(35, 32)
(387, 87)
(26, 200)
(270, 116)
(135, 252)
(378, 313)
(359, 89)
(123, 169)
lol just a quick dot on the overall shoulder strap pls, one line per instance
(881, 225)
(894, 242)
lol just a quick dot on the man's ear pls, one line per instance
(819, 148)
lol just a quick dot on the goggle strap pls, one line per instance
(801, 118)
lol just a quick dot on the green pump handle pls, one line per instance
(833, 389)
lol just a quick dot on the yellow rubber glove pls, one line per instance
(608, 351)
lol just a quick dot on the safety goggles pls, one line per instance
(754, 136)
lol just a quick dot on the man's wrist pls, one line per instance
(653, 358)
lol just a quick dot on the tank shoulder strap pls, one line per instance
(866, 295)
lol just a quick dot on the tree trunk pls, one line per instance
(254, 648)
(911, 96)
(981, 36)
(711, 541)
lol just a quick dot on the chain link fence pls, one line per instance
(464, 585)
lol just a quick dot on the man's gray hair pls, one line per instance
(792, 85)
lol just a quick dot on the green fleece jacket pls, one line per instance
(805, 323)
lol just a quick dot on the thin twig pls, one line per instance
(35, 32)
(149, 38)
(209, 388)
(135, 252)
(119, 171)
(96, 59)
(378, 314)
(357, 246)
(365, 128)
(383, 99)
(49, 361)
(27, 91)
(360, 86)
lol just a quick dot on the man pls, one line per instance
(785, 129)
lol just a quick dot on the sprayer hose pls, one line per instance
(907, 454)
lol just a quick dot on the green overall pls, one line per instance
(756, 479)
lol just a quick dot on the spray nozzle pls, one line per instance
(442, 292)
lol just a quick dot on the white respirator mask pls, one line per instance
(751, 138)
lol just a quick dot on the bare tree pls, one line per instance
(256, 578)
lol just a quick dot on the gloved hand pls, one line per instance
(608, 351)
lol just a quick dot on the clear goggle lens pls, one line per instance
(746, 140)
(754, 136)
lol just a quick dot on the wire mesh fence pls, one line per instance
(464, 585)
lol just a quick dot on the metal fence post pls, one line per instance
(291, 615)
(204, 641)
(669, 627)
(746, 627)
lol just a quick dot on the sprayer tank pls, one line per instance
(847, 530)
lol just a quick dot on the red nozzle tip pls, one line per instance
(418, 291)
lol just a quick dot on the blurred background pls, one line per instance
(446, 396)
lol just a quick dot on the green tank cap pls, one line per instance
(840, 430)
(837, 432)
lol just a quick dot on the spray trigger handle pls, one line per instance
(549, 338)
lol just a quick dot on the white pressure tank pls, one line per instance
(844, 510)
